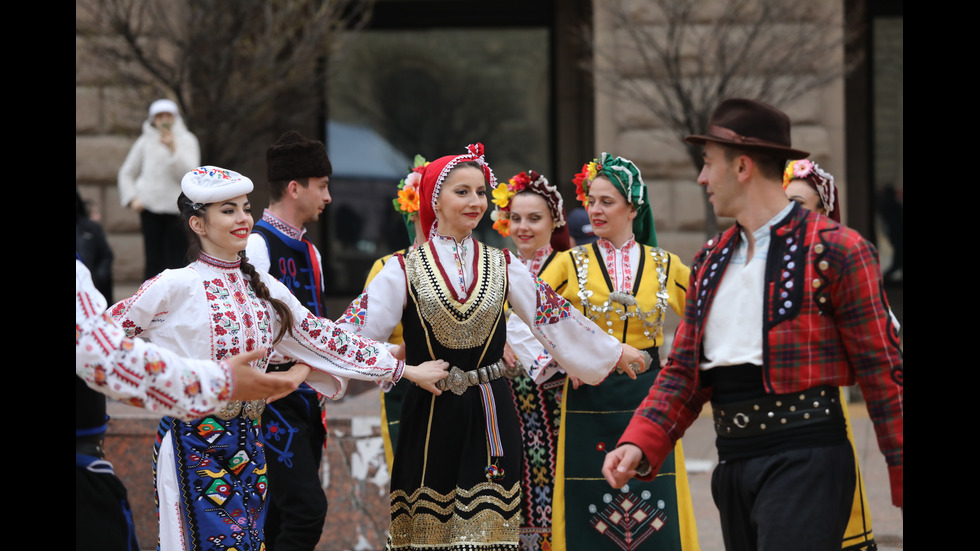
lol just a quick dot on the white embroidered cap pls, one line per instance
(211, 184)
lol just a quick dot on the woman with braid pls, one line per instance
(209, 474)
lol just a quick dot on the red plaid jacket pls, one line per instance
(826, 323)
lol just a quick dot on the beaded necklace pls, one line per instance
(623, 303)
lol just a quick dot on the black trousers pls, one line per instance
(293, 436)
(103, 519)
(798, 499)
(164, 242)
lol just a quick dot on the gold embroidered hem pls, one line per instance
(459, 325)
(485, 517)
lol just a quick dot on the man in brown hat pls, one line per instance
(299, 171)
(782, 308)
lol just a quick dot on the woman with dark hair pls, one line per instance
(210, 474)
(625, 283)
(531, 211)
(455, 484)
(814, 189)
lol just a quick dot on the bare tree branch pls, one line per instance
(237, 70)
(680, 58)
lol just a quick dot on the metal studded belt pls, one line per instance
(774, 413)
(458, 380)
(252, 409)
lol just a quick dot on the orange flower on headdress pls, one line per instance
(408, 200)
(502, 225)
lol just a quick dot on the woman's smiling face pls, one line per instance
(462, 202)
(224, 227)
(531, 223)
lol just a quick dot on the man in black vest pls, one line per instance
(298, 171)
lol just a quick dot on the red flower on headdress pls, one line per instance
(582, 179)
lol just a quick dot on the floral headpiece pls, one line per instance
(582, 180)
(408, 200)
(625, 177)
(533, 182)
(819, 179)
(434, 174)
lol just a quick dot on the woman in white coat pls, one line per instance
(149, 183)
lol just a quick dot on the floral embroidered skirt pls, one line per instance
(451, 489)
(539, 411)
(210, 482)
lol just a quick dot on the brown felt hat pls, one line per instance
(293, 156)
(751, 125)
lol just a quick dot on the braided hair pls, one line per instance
(188, 210)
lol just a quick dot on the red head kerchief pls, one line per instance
(435, 174)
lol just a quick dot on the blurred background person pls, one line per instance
(149, 184)
(92, 248)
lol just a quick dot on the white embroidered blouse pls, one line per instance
(137, 372)
(577, 343)
(622, 263)
(207, 310)
(536, 361)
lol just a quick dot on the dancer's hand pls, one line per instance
(509, 358)
(427, 374)
(620, 465)
(398, 352)
(250, 384)
(295, 375)
(631, 361)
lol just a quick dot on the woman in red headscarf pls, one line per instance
(455, 482)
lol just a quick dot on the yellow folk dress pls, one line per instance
(588, 513)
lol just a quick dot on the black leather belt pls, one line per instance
(777, 412)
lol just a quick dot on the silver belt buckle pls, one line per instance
(457, 382)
